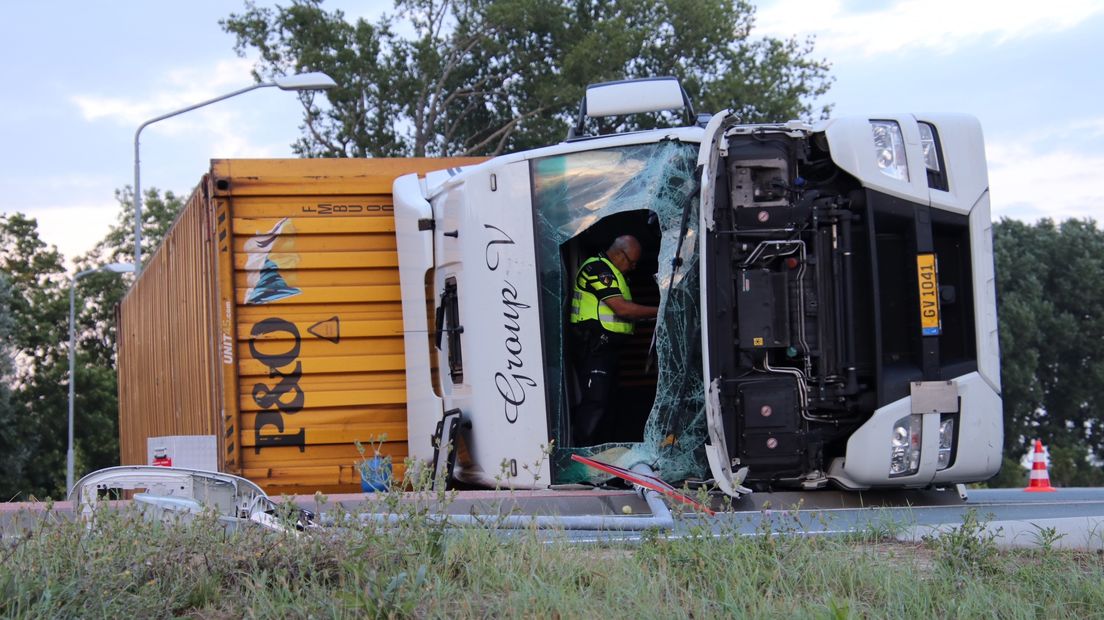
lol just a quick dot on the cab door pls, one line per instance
(488, 317)
(710, 163)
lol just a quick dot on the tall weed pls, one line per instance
(419, 567)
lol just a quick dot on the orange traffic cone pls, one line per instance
(1040, 479)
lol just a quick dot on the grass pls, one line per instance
(129, 567)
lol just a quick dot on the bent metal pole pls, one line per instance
(72, 379)
(297, 82)
(113, 268)
(69, 454)
(137, 169)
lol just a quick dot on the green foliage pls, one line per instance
(303, 37)
(11, 450)
(159, 212)
(1050, 298)
(381, 595)
(133, 567)
(969, 549)
(98, 294)
(1046, 537)
(38, 303)
(1070, 467)
(375, 468)
(481, 77)
(1012, 475)
(34, 335)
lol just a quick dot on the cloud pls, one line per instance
(49, 189)
(1089, 128)
(224, 127)
(180, 88)
(55, 225)
(1029, 180)
(76, 210)
(942, 26)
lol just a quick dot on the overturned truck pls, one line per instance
(825, 293)
(826, 309)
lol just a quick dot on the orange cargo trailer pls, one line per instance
(270, 321)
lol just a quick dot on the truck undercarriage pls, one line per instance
(814, 307)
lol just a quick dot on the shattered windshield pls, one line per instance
(572, 193)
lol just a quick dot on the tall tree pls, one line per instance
(98, 294)
(303, 37)
(38, 321)
(38, 303)
(1050, 296)
(34, 340)
(12, 454)
(480, 77)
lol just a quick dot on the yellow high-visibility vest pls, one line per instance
(585, 305)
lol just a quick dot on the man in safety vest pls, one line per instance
(602, 316)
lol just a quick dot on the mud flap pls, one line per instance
(444, 449)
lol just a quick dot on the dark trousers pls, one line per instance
(595, 356)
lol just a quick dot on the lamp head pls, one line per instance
(119, 267)
(305, 81)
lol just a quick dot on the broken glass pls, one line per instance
(574, 191)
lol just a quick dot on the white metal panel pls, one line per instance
(980, 432)
(866, 463)
(716, 447)
(633, 97)
(503, 389)
(415, 248)
(438, 184)
(852, 146)
(985, 293)
(449, 210)
(451, 234)
(963, 148)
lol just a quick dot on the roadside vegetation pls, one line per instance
(130, 567)
(467, 77)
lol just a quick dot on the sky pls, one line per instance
(79, 77)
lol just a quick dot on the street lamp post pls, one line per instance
(298, 82)
(114, 268)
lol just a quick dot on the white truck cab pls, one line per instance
(825, 292)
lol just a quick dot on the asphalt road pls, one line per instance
(1013, 516)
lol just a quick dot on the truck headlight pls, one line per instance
(946, 442)
(889, 149)
(905, 446)
(928, 146)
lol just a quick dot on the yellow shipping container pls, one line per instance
(270, 318)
